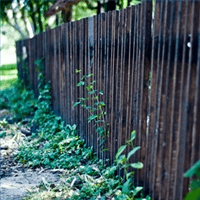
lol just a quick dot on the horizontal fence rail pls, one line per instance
(149, 70)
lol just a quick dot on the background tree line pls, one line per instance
(30, 17)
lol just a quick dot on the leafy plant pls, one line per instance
(19, 100)
(55, 145)
(122, 161)
(93, 105)
(194, 192)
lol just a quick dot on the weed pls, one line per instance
(96, 108)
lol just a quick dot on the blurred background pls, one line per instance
(21, 19)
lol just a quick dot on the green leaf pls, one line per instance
(74, 127)
(102, 104)
(95, 97)
(136, 190)
(78, 70)
(92, 117)
(3, 134)
(137, 165)
(104, 149)
(92, 92)
(120, 150)
(83, 77)
(130, 174)
(81, 83)
(193, 170)
(194, 194)
(89, 75)
(91, 83)
(89, 87)
(100, 130)
(101, 92)
(195, 184)
(121, 160)
(76, 103)
(88, 107)
(133, 135)
(96, 103)
(98, 121)
(124, 165)
(132, 152)
(125, 187)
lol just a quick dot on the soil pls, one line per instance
(15, 179)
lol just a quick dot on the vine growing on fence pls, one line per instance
(94, 106)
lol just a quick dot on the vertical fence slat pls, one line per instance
(63, 94)
(59, 72)
(67, 74)
(145, 63)
(107, 77)
(71, 71)
(165, 151)
(86, 72)
(112, 136)
(81, 67)
(94, 69)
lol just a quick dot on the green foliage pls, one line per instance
(194, 192)
(56, 145)
(93, 105)
(123, 161)
(194, 170)
(85, 9)
(2, 134)
(19, 100)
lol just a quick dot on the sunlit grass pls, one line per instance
(8, 76)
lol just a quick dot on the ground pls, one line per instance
(16, 180)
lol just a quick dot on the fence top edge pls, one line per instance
(92, 17)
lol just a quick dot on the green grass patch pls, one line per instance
(8, 67)
(8, 76)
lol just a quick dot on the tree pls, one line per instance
(30, 17)
(26, 16)
(65, 6)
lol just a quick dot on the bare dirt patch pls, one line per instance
(15, 179)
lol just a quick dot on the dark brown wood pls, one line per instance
(62, 71)
(86, 71)
(71, 100)
(82, 126)
(112, 138)
(94, 68)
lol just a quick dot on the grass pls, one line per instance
(8, 76)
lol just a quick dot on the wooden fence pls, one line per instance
(149, 70)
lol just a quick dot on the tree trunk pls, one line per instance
(17, 28)
(111, 5)
(67, 14)
(32, 16)
(98, 7)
